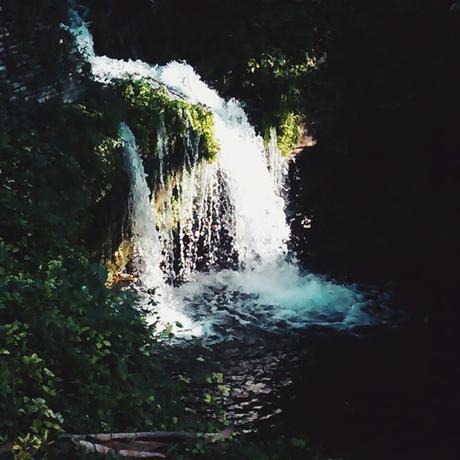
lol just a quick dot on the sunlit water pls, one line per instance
(220, 229)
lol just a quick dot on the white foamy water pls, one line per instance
(229, 303)
(220, 228)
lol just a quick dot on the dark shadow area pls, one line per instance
(389, 394)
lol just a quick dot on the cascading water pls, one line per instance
(146, 241)
(209, 216)
(144, 235)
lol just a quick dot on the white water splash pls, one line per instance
(228, 303)
(206, 214)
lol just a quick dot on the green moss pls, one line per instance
(148, 107)
(202, 122)
(289, 132)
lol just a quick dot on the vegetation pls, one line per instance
(147, 108)
(289, 133)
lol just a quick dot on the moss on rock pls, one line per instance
(148, 107)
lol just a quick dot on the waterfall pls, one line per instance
(212, 239)
(144, 234)
(260, 229)
(146, 241)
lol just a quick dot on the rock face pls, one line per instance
(36, 61)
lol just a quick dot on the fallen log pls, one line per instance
(91, 447)
(147, 446)
(142, 444)
(153, 435)
(142, 435)
(140, 454)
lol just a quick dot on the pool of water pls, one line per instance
(373, 392)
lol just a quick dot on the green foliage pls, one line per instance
(75, 356)
(277, 65)
(289, 132)
(202, 121)
(278, 82)
(148, 109)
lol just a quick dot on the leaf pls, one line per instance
(218, 377)
(36, 425)
(224, 389)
